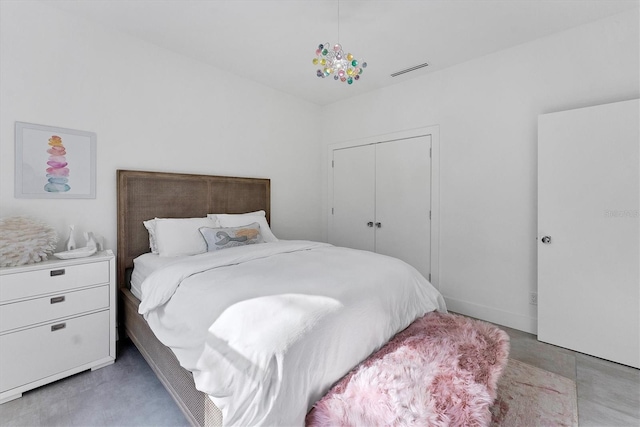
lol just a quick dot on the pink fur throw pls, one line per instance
(440, 371)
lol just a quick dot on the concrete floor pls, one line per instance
(128, 393)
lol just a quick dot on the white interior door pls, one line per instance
(352, 221)
(588, 204)
(403, 201)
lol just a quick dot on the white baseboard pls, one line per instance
(490, 314)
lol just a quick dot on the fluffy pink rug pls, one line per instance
(440, 371)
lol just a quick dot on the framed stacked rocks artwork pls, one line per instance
(53, 162)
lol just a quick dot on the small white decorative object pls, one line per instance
(25, 241)
(76, 253)
(91, 241)
(71, 241)
(99, 242)
(90, 249)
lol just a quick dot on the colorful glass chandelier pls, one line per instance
(333, 62)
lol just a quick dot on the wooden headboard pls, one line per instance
(146, 195)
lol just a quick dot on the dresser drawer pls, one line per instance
(39, 352)
(49, 280)
(49, 308)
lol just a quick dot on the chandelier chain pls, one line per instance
(333, 61)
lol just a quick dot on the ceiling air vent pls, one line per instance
(416, 67)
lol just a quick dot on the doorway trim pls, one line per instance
(434, 132)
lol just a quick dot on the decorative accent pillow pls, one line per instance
(25, 240)
(180, 236)
(238, 220)
(222, 238)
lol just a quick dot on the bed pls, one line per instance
(145, 195)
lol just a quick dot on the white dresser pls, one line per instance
(57, 318)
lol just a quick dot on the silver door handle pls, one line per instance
(370, 224)
(546, 240)
(378, 224)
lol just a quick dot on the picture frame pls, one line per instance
(54, 162)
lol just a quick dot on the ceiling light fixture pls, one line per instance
(333, 61)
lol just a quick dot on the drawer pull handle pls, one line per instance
(56, 300)
(57, 272)
(58, 327)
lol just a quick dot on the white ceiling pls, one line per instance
(273, 41)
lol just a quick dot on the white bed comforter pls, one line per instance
(267, 329)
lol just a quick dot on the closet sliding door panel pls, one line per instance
(403, 201)
(353, 198)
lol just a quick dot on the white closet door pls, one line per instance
(403, 201)
(588, 202)
(353, 198)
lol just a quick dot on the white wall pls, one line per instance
(151, 110)
(487, 112)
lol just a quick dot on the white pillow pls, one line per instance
(238, 220)
(256, 213)
(150, 225)
(181, 236)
